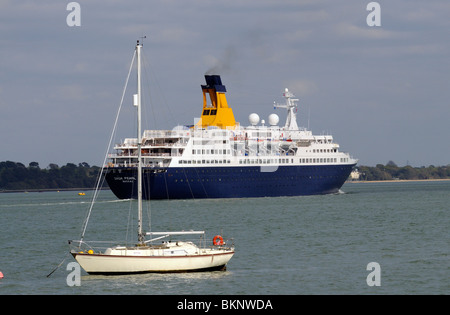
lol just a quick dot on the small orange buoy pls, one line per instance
(1, 275)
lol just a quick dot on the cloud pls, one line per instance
(322, 50)
(303, 87)
(345, 30)
(221, 64)
(74, 92)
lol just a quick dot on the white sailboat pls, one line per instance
(147, 255)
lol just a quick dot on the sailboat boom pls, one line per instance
(175, 233)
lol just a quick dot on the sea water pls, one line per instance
(286, 245)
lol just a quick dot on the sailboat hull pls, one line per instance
(117, 264)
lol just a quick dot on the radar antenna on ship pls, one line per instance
(291, 120)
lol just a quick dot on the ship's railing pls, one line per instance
(98, 247)
(166, 133)
(201, 242)
(123, 146)
(134, 155)
(135, 164)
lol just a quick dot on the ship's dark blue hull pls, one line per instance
(228, 182)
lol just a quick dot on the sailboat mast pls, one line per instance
(140, 233)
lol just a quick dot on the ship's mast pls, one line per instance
(291, 120)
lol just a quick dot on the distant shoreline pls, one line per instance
(397, 180)
(49, 190)
(347, 182)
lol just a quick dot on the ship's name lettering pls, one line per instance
(125, 179)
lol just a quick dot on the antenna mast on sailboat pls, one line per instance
(137, 100)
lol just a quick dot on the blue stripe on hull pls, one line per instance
(229, 182)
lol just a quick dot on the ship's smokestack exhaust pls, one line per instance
(214, 82)
(217, 113)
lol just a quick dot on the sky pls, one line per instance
(382, 91)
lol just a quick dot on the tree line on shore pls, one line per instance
(391, 171)
(17, 176)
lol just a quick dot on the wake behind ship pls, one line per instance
(219, 158)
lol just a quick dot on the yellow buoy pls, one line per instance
(90, 252)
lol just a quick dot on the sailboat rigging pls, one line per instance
(146, 255)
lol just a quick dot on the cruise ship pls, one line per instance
(218, 158)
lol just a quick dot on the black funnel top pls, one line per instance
(214, 82)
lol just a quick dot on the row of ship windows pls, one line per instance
(212, 151)
(242, 170)
(324, 150)
(227, 151)
(267, 161)
(205, 162)
(284, 161)
(250, 178)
